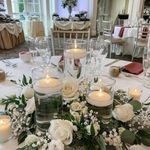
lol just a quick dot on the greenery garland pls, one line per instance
(89, 134)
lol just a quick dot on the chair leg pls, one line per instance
(53, 49)
(134, 50)
(111, 49)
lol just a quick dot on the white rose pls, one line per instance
(70, 88)
(76, 106)
(31, 139)
(123, 113)
(61, 130)
(30, 107)
(96, 128)
(28, 92)
(56, 145)
(76, 115)
(85, 110)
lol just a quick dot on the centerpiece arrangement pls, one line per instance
(69, 4)
(75, 125)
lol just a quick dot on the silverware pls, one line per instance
(116, 60)
(55, 66)
(9, 63)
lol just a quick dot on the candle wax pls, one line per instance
(99, 98)
(76, 53)
(5, 128)
(135, 93)
(47, 85)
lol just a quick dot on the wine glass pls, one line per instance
(32, 50)
(43, 48)
(146, 67)
(99, 51)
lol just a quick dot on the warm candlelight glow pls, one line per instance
(135, 93)
(99, 98)
(5, 128)
(47, 85)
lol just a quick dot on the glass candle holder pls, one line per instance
(135, 93)
(48, 97)
(100, 99)
(5, 128)
(75, 52)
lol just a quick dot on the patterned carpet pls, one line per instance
(14, 53)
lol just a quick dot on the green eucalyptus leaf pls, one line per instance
(101, 143)
(146, 141)
(23, 100)
(22, 137)
(136, 105)
(82, 119)
(128, 137)
(24, 80)
(30, 80)
(92, 130)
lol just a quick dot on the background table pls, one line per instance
(8, 88)
(72, 25)
(11, 35)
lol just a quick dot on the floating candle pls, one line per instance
(5, 128)
(99, 98)
(48, 85)
(135, 93)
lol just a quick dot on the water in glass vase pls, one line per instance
(47, 107)
(75, 60)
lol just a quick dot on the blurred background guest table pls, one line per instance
(11, 35)
(72, 25)
(35, 28)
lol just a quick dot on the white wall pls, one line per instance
(135, 9)
(116, 7)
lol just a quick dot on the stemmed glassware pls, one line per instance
(146, 67)
(99, 51)
(32, 50)
(43, 48)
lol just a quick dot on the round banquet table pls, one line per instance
(11, 35)
(8, 88)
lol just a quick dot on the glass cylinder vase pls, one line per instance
(75, 52)
(48, 97)
(100, 98)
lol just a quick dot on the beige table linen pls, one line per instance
(35, 28)
(11, 35)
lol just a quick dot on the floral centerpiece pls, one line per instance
(78, 127)
(69, 4)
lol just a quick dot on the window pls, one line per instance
(18, 6)
(26, 7)
(33, 6)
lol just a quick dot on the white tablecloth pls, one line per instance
(7, 88)
(129, 36)
(12, 28)
(72, 25)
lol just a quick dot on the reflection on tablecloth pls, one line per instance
(72, 25)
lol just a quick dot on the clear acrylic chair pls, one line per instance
(141, 39)
(107, 33)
